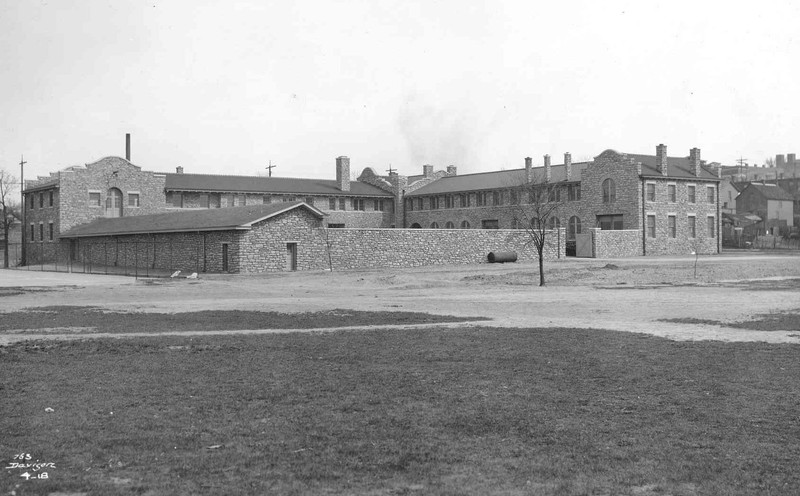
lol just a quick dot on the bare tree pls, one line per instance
(769, 162)
(535, 207)
(8, 183)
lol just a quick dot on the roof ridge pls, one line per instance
(254, 177)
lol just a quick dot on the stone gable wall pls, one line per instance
(74, 186)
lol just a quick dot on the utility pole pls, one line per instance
(741, 162)
(390, 170)
(23, 206)
(270, 167)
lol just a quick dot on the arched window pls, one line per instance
(609, 191)
(574, 227)
(464, 224)
(554, 223)
(114, 203)
(434, 225)
(415, 226)
(449, 225)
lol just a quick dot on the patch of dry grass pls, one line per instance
(469, 411)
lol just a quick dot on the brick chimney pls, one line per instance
(452, 170)
(694, 161)
(547, 172)
(790, 158)
(779, 161)
(343, 173)
(427, 170)
(661, 159)
(179, 170)
(128, 147)
(528, 170)
(568, 166)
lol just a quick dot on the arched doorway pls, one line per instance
(114, 203)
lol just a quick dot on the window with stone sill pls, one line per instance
(690, 190)
(651, 192)
(94, 199)
(671, 195)
(133, 199)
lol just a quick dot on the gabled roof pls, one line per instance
(496, 180)
(678, 167)
(215, 219)
(256, 184)
(770, 191)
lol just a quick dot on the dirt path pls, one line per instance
(631, 295)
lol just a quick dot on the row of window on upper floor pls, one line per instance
(672, 197)
(217, 200)
(41, 196)
(496, 198)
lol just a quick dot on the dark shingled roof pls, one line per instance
(678, 167)
(495, 180)
(215, 219)
(255, 184)
(771, 191)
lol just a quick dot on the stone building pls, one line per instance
(772, 204)
(113, 187)
(621, 204)
(672, 202)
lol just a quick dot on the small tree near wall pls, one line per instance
(535, 206)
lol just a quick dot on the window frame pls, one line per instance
(651, 226)
(137, 196)
(691, 226)
(672, 193)
(609, 190)
(691, 193)
(650, 192)
(672, 225)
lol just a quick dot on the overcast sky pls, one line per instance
(225, 87)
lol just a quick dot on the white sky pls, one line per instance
(224, 87)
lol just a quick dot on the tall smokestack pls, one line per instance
(568, 166)
(343, 173)
(547, 173)
(528, 170)
(128, 147)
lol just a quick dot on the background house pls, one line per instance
(769, 202)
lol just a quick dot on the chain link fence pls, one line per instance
(131, 258)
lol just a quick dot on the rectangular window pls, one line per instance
(710, 194)
(33, 232)
(41, 200)
(464, 200)
(671, 192)
(672, 224)
(496, 198)
(331, 203)
(651, 226)
(711, 227)
(690, 190)
(512, 196)
(577, 192)
(419, 204)
(358, 204)
(609, 222)
(266, 199)
(50, 227)
(480, 199)
(410, 204)
(51, 198)
(490, 224)
(204, 201)
(33, 201)
(434, 202)
(651, 192)
(336, 226)
(692, 226)
(378, 205)
(94, 199)
(41, 232)
(341, 204)
(448, 201)
(133, 199)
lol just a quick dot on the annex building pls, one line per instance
(113, 212)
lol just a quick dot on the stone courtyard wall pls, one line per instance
(617, 244)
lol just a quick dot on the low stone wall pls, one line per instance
(375, 248)
(617, 244)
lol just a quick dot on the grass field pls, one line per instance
(467, 411)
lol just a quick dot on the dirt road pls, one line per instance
(630, 295)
